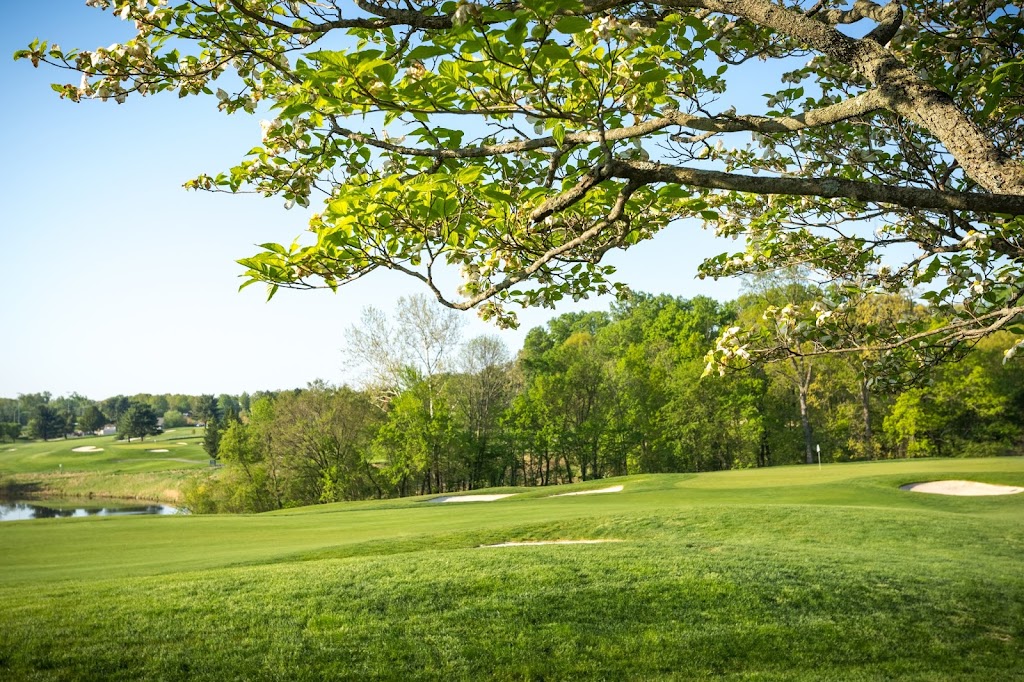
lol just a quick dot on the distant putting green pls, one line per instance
(792, 573)
(102, 466)
(107, 454)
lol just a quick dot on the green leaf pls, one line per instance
(555, 52)
(652, 76)
(421, 52)
(385, 71)
(516, 33)
(558, 132)
(571, 25)
(469, 174)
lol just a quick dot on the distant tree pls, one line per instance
(797, 370)
(69, 407)
(204, 408)
(10, 411)
(181, 403)
(173, 419)
(159, 403)
(10, 431)
(211, 438)
(46, 423)
(227, 403)
(115, 407)
(483, 391)
(70, 423)
(92, 419)
(27, 404)
(138, 421)
(417, 347)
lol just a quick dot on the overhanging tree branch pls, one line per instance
(834, 188)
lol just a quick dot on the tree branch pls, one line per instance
(863, 103)
(908, 197)
(904, 93)
(388, 18)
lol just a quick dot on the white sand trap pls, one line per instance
(87, 448)
(613, 489)
(11, 449)
(181, 443)
(160, 450)
(471, 498)
(550, 542)
(964, 488)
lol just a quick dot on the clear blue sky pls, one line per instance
(115, 279)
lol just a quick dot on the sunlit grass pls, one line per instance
(769, 575)
(58, 456)
(117, 469)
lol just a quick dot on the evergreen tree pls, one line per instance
(211, 438)
(46, 423)
(92, 419)
(138, 421)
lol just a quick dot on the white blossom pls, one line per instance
(464, 12)
(972, 239)
(1009, 353)
(268, 127)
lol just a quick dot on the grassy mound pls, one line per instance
(779, 574)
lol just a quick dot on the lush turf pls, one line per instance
(57, 456)
(119, 469)
(779, 574)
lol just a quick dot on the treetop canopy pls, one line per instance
(522, 141)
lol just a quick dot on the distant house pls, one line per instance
(108, 430)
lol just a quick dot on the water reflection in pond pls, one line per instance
(52, 509)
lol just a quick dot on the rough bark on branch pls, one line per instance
(903, 92)
(908, 197)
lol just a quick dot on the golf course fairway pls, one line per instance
(787, 573)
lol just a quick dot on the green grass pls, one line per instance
(120, 469)
(57, 456)
(780, 574)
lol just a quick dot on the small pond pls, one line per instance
(19, 510)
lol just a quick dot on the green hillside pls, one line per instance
(101, 466)
(773, 574)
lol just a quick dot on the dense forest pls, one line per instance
(590, 395)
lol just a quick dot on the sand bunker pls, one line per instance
(965, 488)
(181, 443)
(471, 498)
(613, 489)
(87, 448)
(549, 542)
(160, 450)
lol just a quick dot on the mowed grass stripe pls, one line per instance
(58, 456)
(711, 581)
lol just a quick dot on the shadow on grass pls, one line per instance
(20, 490)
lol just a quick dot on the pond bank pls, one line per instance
(154, 486)
(49, 508)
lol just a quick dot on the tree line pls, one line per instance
(593, 395)
(44, 416)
